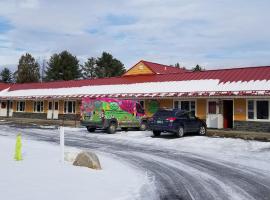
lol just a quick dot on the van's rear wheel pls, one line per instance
(156, 133)
(143, 126)
(91, 129)
(112, 128)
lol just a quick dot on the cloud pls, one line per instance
(223, 33)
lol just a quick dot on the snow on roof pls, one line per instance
(211, 85)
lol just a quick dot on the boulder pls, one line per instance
(87, 159)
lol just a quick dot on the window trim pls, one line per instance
(17, 106)
(255, 110)
(35, 108)
(66, 105)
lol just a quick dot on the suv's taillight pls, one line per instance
(171, 119)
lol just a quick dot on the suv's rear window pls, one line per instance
(164, 113)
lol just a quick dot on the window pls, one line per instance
(139, 108)
(69, 107)
(142, 103)
(212, 107)
(50, 105)
(38, 106)
(186, 105)
(56, 105)
(3, 105)
(20, 106)
(258, 109)
(250, 109)
(262, 109)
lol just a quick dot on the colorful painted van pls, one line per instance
(109, 114)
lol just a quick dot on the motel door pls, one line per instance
(53, 110)
(3, 109)
(212, 117)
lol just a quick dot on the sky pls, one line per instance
(211, 33)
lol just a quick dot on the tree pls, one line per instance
(177, 65)
(197, 68)
(89, 68)
(107, 66)
(63, 66)
(28, 69)
(6, 75)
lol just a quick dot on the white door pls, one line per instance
(56, 110)
(10, 109)
(50, 110)
(3, 109)
(213, 119)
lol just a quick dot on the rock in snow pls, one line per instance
(87, 159)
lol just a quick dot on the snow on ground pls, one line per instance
(245, 152)
(41, 175)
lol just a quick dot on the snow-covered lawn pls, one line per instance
(41, 176)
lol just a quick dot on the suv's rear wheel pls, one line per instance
(180, 132)
(202, 130)
(91, 129)
(156, 133)
(112, 128)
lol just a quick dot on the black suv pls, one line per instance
(175, 121)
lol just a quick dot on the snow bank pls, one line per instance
(41, 176)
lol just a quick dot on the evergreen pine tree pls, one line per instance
(63, 66)
(107, 66)
(89, 68)
(28, 69)
(6, 75)
(197, 68)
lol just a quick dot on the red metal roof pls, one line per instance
(4, 86)
(162, 69)
(223, 75)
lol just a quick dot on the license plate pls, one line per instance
(159, 122)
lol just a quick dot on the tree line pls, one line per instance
(65, 66)
(62, 66)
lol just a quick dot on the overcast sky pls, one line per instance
(212, 33)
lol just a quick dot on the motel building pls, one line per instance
(237, 98)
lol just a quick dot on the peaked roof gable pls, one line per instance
(146, 67)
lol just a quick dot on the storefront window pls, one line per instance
(258, 109)
(186, 105)
(20, 106)
(69, 107)
(38, 106)
(262, 109)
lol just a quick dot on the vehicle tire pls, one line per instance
(91, 129)
(180, 132)
(143, 126)
(124, 129)
(156, 133)
(112, 128)
(202, 130)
